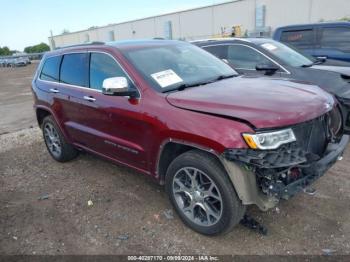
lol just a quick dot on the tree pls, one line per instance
(346, 19)
(42, 47)
(5, 51)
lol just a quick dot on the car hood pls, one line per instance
(343, 70)
(333, 82)
(263, 102)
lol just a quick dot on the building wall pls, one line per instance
(237, 13)
(209, 21)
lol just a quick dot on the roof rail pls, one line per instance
(84, 44)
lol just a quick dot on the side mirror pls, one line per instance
(269, 69)
(117, 86)
(321, 58)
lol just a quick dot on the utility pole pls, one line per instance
(53, 46)
(310, 9)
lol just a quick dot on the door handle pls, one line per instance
(54, 90)
(89, 98)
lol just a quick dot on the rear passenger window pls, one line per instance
(51, 69)
(219, 51)
(74, 70)
(336, 38)
(244, 57)
(103, 66)
(301, 38)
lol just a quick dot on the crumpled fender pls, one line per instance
(244, 182)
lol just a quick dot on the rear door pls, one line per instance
(334, 42)
(73, 80)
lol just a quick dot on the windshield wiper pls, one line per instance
(308, 65)
(221, 77)
(184, 85)
(317, 62)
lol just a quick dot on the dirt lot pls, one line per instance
(16, 101)
(44, 204)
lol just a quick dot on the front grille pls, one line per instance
(336, 122)
(311, 136)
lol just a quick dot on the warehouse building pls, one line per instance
(232, 18)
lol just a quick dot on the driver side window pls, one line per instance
(244, 57)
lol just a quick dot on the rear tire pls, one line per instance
(202, 194)
(55, 142)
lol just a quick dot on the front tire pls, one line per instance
(202, 194)
(55, 142)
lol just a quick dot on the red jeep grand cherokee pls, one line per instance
(218, 141)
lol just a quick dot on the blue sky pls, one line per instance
(28, 22)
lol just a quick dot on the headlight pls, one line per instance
(269, 140)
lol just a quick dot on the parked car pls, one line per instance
(4, 62)
(323, 40)
(17, 62)
(26, 60)
(216, 140)
(262, 56)
(10, 62)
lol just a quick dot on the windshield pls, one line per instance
(169, 66)
(288, 55)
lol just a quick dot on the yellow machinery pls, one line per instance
(233, 31)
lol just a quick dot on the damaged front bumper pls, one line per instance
(264, 177)
(345, 110)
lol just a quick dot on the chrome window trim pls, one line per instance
(82, 87)
(69, 85)
(273, 61)
(41, 67)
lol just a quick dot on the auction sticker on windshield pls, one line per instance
(166, 78)
(269, 46)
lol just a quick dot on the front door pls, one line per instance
(242, 58)
(115, 124)
(245, 59)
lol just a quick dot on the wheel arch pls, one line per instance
(42, 112)
(170, 149)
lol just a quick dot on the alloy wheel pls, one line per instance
(197, 196)
(52, 140)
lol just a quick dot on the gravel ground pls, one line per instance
(44, 210)
(16, 99)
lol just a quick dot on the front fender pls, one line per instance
(244, 182)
